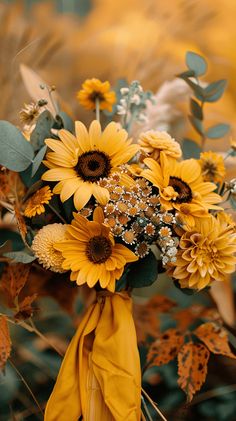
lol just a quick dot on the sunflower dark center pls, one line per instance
(96, 95)
(209, 168)
(93, 165)
(99, 249)
(184, 191)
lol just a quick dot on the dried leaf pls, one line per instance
(160, 303)
(32, 83)
(13, 280)
(165, 348)
(192, 367)
(20, 223)
(146, 322)
(25, 307)
(215, 338)
(187, 316)
(5, 342)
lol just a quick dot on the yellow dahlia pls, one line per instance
(94, 89)
(212, 165)
(43, 246)
(181, 187)
(91, 253)
(80, 162)
(35, 204)
(153, 142)
(206, 254)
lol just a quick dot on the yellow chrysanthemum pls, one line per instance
(212, 165)
(153, 142)
(35, 204)
(80, 163)
(181, 187)
(43, 246)
(91, 253)
(94, 89)
(206, 254)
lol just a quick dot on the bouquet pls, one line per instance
(109, 213)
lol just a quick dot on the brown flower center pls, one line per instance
(209, 168)
(93, 165)
(182, 188)
(99, 249)
(96, 95)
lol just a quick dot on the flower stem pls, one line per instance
(154, 405)
(97, 109)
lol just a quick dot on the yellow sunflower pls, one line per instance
(94, 89)
(212, 165)
(35, 204)
(80, 162)
(206, 254)
(91, 253)
(181, 187)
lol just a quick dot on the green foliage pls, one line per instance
(196, 63)
(42, 130)
(38, 159)
(23, 256)
(190, 149)
(67, 122)
(143, 272)
(217, 131)
(196, 109)
(215, 90)
(16, 153)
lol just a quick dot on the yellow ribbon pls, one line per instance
(100, 376)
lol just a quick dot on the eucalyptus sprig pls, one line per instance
(202, 93)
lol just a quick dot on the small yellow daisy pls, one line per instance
(93, 89)
(35, 204)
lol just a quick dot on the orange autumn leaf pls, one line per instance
(146, 322)
(215, 338)
(186, 316)
(5, 342)
(13, 280)
(192, 367)
(165, 348)
(20, 223)
(25, 307)
(160, 303)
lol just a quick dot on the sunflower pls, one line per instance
(91, 253)
(35, 204)
(94, 89)
(212, 165)
(181, 187)
(206, 254)
(153, 142)
(80, 163)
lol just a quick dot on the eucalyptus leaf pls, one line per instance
(196, 63)
(196, 109)
(215, 90)
(22, 256)
(197, 124)
(197, 89)
(68, 123)
(217, 131)
(143, 272)
(38, 159)
(16, 153)
(42, 130)
(186, 74)
(191, 149)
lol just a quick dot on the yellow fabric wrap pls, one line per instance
(100, 376)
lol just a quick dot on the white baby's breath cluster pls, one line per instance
(133, 103)
(169, 249)
(232, 186)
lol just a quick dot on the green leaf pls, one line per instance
(22, 256)
(27, 178)
(16, 153)
(186, 75)
(196, 63)
(42, 130)
(196, 109)
(143, 272)
(67, 122)
(191, 149)
(36, 186)
(215, 90)
(197, 124)
(37, 160)
(197, 89)
(217, 131)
